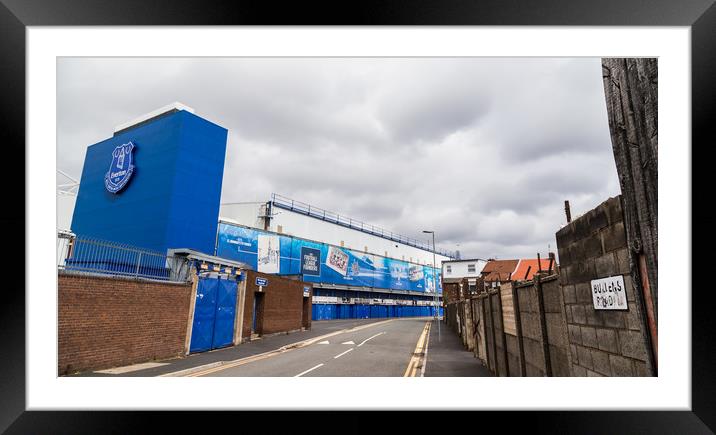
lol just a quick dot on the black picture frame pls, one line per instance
(16, 15)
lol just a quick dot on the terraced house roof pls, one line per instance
(499, 270)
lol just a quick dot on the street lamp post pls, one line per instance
(435, 285)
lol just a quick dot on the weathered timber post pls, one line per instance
(494, 339)
(543, 325)
(502, 328)
(518, 328)
(630, 88)
(567, 211)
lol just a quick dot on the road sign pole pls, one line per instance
(435, 289)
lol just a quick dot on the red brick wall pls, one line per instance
(283, 304)
(451, 293)
(108, 322)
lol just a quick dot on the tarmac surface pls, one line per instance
(332, 348)
(448, 357)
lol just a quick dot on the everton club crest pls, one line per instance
(121, 169)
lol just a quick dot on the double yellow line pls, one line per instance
(417, 361)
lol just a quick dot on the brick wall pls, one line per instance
(107, 321)
(451, 293)
(283, 308)
(602, 343)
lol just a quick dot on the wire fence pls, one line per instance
(319, 213)
(84, 254)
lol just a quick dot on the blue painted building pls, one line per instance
(171, 197)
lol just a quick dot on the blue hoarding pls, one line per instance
(319, 262)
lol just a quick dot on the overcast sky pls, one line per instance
(483, 151)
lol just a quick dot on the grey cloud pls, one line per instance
(482, 150)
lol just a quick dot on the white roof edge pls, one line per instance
(230, 221)
(175, 105)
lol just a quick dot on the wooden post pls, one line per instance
(631, 91)
(494, 341)
(240, 301)
(518, 327)
(567, 211)
(543, 325)
(192, 306)
(504, 339)
(483, 316)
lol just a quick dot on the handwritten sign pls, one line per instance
(609, 293)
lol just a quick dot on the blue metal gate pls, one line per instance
(214, 314)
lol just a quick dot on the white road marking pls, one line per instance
(311, 369)
(324, 342)
(370, 338)
(223, 365)
(348, 342)
(341, 354)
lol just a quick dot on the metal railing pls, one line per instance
(319, 213)
(64, 244)
(84, 254)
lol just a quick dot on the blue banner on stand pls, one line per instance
(319, 262)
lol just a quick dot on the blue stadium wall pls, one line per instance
(172, 198)
(326, 264)
(321, 263)
(362, 311)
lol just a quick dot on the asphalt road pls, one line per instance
(377, 349)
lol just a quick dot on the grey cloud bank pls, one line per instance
(482, 150)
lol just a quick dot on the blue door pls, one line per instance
(225, 314)
(214, 314)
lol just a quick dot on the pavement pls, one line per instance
(448, 357)
(333, 348)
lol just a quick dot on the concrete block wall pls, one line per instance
(529, 317)
(468, 336)
(107, 322)
(601, 343)
(556, 326)
(480, 349)
(450, 316)
(497, 324)
(521, 353)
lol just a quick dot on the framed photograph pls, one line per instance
(471, 114)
